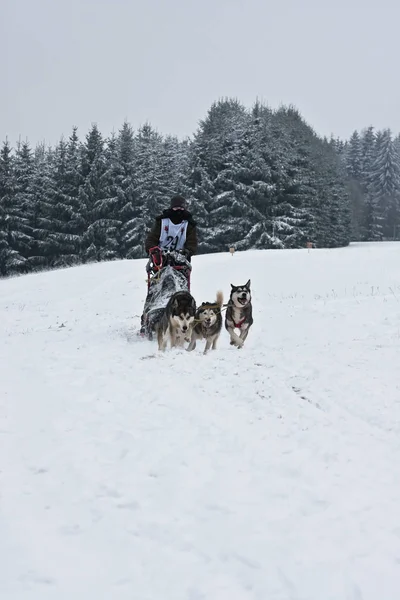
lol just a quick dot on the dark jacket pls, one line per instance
(176, 216)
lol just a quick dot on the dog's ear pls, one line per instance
(175, 303)
(248, 284)
(233, 286)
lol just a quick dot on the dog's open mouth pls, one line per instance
(242, 301)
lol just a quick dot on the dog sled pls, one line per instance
(168, 271)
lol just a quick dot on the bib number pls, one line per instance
(171, 242)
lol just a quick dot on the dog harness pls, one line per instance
(172, 237)
(238, 325)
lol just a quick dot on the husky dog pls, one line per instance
(239, 314)
(177, 320)
(208, 324)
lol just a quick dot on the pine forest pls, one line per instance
(254, 178)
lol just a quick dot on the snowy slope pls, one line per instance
(267, 473)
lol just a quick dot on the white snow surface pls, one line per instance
(266, 473)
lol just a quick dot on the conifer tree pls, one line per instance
(125, 184)
(384, 184)
(10, 260)
(21, 208)
(91, 193)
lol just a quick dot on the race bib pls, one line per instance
(172, 237)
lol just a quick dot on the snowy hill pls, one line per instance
(267, 473)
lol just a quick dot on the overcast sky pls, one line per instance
(75, 62)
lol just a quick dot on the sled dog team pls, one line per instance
(182, 321)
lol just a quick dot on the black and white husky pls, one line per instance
(239, 314)
(177, 320)
(208, 324)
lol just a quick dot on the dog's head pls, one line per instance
(241, 294)
(207, 314)
(183, 322)
(183, 312)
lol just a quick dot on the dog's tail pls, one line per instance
(220, 299)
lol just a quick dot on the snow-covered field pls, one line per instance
(267, 473)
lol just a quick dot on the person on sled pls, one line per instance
(174, 229)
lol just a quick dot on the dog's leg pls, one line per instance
(161, 340)
(244, 332)
(214, 344)
(191, 335)
(180, 340)
(172, 336)
(235, 339)
(208, 345)
(192, 344)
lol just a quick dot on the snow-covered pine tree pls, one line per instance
(150, 193)
(10, 260)
(373, 207)
(60, 244)
(353, 162)
(256, 175)
(64, 239)
(67, 214)
(223, 215)
(385, 185)
(371, 224)
(396, 144)
(91, 192)
(19, 215)
(125, 189)
(174, 166)
(5, 201)
(293, 206)
(333, 215)
(368, 140)
(39, 215)
(106, 212)
(354, 157)
(396, 208)
(340, 146)
(200, 194)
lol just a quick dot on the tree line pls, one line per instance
(254, 178)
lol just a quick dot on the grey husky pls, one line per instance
(239, 314)
(176, 321)
(208, 324)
